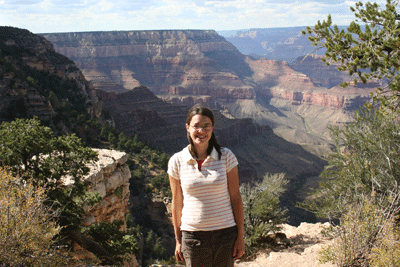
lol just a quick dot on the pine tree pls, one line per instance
(366, 54)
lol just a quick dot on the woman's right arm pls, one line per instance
(176, 207)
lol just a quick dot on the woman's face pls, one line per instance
(200, 129)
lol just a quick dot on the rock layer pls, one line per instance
(191, 61)
(193, 64)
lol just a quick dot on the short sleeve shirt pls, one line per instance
(206, 200)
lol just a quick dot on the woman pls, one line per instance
(207, 208)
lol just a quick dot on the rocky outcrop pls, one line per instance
(108, 177)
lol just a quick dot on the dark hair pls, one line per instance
(204, 111)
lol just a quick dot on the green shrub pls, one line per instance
(117, 242)
(262, 213)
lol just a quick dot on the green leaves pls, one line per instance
(30, 150)
(366, 161)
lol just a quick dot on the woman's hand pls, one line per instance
(178, 251)
(239, 248)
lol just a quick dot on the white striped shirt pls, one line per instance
(206, 200)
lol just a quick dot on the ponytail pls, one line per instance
(213, 143)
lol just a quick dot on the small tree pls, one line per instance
(32, 152)
(360, 184)
(27, 227)
(262, 213)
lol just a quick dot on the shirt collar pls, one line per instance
(188, 157)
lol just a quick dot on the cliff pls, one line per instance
(185, 67)
(283, 44)
(109, 177)
(37, 81)
(319, 73)
(277, 79)
(178, 62)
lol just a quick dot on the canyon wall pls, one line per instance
(187, 66)
(277, 79)
(177, 62)
(30, 69)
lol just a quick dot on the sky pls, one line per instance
(49, 16)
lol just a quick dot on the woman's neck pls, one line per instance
(201, 152)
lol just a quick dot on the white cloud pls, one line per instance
(87, 15)
(45, 5)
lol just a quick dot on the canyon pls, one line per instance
(139, 111)
(264, 106)
(183, 67)
(270, 113)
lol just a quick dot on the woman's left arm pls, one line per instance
(238, 213)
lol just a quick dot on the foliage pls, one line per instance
(27, 227)
(117, 242)
(360, 184)
(153, 247)
(262, 214)
(368, 54)
(367, 235)
(160, 185)
(366, 162)
(32, 151)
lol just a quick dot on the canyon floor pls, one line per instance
(305, 240)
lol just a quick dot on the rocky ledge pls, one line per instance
(109, 177)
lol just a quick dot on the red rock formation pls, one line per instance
(276, 79)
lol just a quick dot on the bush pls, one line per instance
(118, 243)
(262, 214)
(366, 236)
(27, 228)
(31, 151)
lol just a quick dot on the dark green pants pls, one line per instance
(209, 248)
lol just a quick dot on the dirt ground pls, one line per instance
(305, 242)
